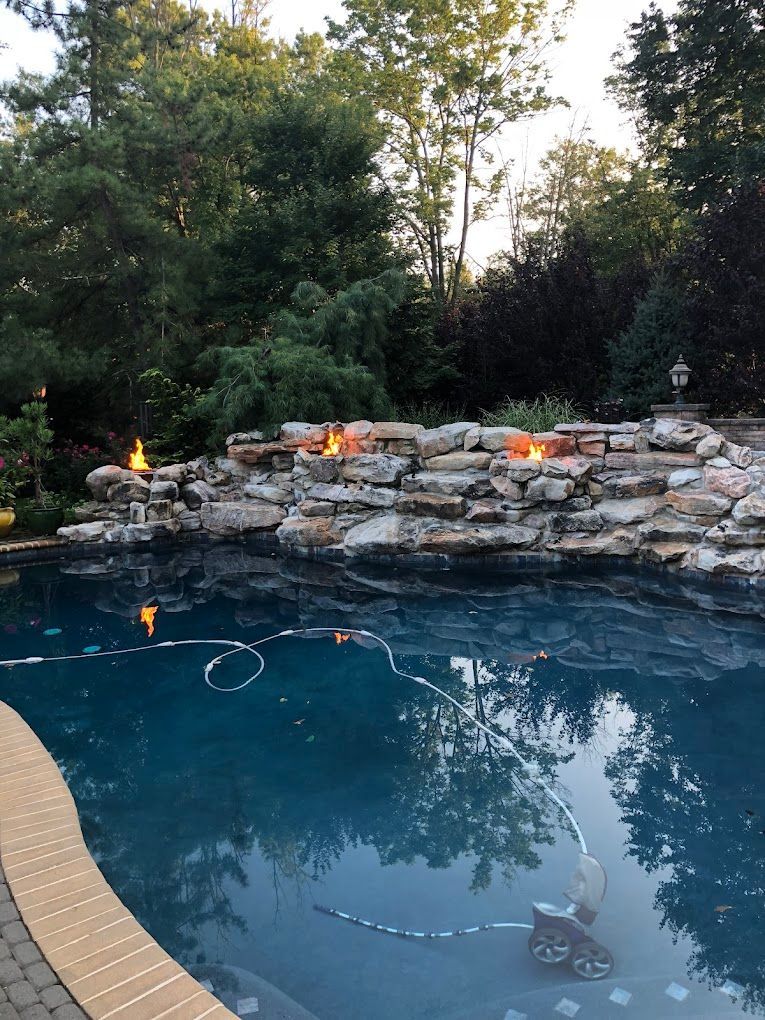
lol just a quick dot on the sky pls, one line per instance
(579, 66)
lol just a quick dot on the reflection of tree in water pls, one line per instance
(393, 767)
(686, 774)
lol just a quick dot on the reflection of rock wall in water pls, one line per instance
(661, 491)
(656, 626)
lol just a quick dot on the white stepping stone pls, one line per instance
(567, 1007)
(246, 1007)
(731, 988)
(620, 996)
(513, 1014)
(677, 992)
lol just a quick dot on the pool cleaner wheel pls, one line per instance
(591, 961)
(550, 945)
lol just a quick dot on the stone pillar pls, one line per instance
(685, 412)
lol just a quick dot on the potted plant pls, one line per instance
(31, 438)
(8, 487)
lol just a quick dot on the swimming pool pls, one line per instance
(222, 819)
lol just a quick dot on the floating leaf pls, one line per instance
(310, 740)
(282, 700)
(298, 722)
(722, 908)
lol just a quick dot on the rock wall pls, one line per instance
(661, 490)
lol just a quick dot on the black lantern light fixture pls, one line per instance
(679, 376)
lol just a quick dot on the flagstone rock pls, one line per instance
(163, 490)
(555, 444)
(652, 460)
(708, 504)
(432, 504)
(630, 511)
(471, 484)
(585, 520)
(159, 510)
(303, 433)
(323, 469)
(433, 442)
(730, 481)
(730, 533)
(685, 478)
(389, 533)
(592, 449)
(622, 441)
(661, 529)
(189, 520)
(364, 496)
(632, 486)
(496, 439)
(613, 543)
(578, 468)
(715, 560)
(270, 493)
(459, 460)
(357, 430)
(240, 518)
(395, 430)
(150, 531)
(585, 427)
(664, 552)
(92, 531)
(459, 539)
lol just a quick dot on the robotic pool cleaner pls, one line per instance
(558, 935)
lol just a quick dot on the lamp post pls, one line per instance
(679, 376)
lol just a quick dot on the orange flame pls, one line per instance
(136, 460)
(536, 452)
(340, 639)
(332, 444)
(147, 616)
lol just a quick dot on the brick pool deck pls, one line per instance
(69, 948)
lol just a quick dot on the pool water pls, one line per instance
(222, 819)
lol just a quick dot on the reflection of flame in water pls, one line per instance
(536, 452)
(332, 444)
(341, 638)
(147, 616)
(136, 460)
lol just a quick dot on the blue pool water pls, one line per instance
(222, 819)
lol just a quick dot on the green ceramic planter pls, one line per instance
(45, 520)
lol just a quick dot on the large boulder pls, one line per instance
(674, 434)
(551, 490)
(315, 531)
(750, 509)
(130, 490)
(685, 478)
(730, 481)
(460, 460)
(432, 442)
(375, 468)
(240, 518)
(159, 510)
(710, 445)
(100, 480)
(194, 494)
(163, 490)
(302, 433)
(714, 560)
(389, 533)
(741, 456)
(475, 538)
(508, 488)
(665, 529)
(171, 473)
(518, 469)
(432, 504)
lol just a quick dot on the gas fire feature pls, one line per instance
(137, 461)
(332, 444)
(536, 452)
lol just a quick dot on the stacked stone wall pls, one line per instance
(661, 490)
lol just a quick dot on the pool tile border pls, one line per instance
(104, 960)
